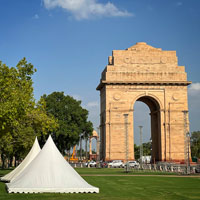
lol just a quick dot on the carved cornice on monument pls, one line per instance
(103, 83)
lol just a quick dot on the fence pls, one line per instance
(159, 167)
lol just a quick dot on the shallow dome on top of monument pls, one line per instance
(140, 43)
(143, 46)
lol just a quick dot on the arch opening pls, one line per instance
(152, 125)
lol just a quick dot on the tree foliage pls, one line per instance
(147, 147)
(137, 151)
(195, 144)
(21, 119)
(72, 119)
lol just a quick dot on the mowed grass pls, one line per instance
(123, 188)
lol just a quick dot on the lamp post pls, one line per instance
(98, 147)
(86, 153)
(188, 152)
(81, 136)
(186, 140)
(151, 150)
(126, 141)
(141, 146)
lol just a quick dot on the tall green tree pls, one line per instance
(21, 119)
(137, 151)
(16, 96)
(72, 119)
(147, 148)
(195, 144)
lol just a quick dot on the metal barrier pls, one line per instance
(158, 167)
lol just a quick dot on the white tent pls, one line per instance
(18, 170)
(50, 172)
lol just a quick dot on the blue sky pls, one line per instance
(69, 42)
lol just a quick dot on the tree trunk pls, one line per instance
(3, 158)
(15, 162)
(68, 152)
(81, 149)
(11, 161)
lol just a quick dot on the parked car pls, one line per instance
(92, 163)
(104, 164)
(132, 164)
(86, 164)
(116, 163)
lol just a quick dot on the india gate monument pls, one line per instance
(150, 75)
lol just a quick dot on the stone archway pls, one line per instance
(151, 75)
(155, 114)
(91, 155)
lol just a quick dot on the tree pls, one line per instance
(21, 119)
(195, 144)
(16, 95)
(35, 123)
(72, 119)
(146, 150)
(137, 151)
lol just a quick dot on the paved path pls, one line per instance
(185, 176)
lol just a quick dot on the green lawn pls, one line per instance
(112, 171)
(123, 188)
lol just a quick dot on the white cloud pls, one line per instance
(194, 89)
(36, 16)
(86, 9)
(94, 110)
(194, 105)
(92, 104)
(76, 96)
(195, 86)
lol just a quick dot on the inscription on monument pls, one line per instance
(147, 60)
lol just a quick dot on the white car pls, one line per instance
(133, 163)
(116, 163)
(92, 163)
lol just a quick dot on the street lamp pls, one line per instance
(186, 142)
(126, 142)
(98, 147)
(188, 152)
(141, 146)
(81, 137)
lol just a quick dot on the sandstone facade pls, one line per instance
(151, 75)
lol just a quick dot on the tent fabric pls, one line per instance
(18, 170)
(50, 172)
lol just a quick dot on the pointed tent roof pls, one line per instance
(18, 170)
(50, 172)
